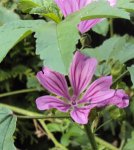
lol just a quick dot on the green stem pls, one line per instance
(41, 117)
(106, 144)
(91, 136)
(29, 113)
(18, 92)
(120, 77)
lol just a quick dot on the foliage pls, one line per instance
(60, 41)
(34, 33)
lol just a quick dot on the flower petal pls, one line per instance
(101, 84)
(80, 115)
(120, 99)
(81, 72)
(48, 102)
(70, 6)
(67, 6)
(83, 3)
(53, 82)
(101, 96)
(86, 25)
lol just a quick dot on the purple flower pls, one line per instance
(69, 6)
(98, 94)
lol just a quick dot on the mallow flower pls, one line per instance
(70, 6)
(80, 103)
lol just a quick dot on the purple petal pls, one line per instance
(48, 102)
(101, 84)
(83, 3)
(120, 99)
(102, 96)
(80, 115)
(53, 82)
(86, 25)
(70, 6)
(67, 6)
(81, 72)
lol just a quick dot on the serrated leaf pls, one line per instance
(55, 47)
(102, 52)
(116, 48)
(16, 31)
(131, 70)
(14, 36)
(7, 128)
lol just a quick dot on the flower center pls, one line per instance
(74, 103)
(74, 100)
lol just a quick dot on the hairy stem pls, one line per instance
(91, 136)
(41, 117)
(18, 92)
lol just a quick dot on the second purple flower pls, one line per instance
(70, 6)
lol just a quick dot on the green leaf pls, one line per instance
(55, 46)
(16, 31)
(7, 15)
(14, 36)
(101, 9)
(128, 5)
(7, 128)
(116, 48)
(102, 27)
(131, 70)
(102, 52)
(27, 5)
